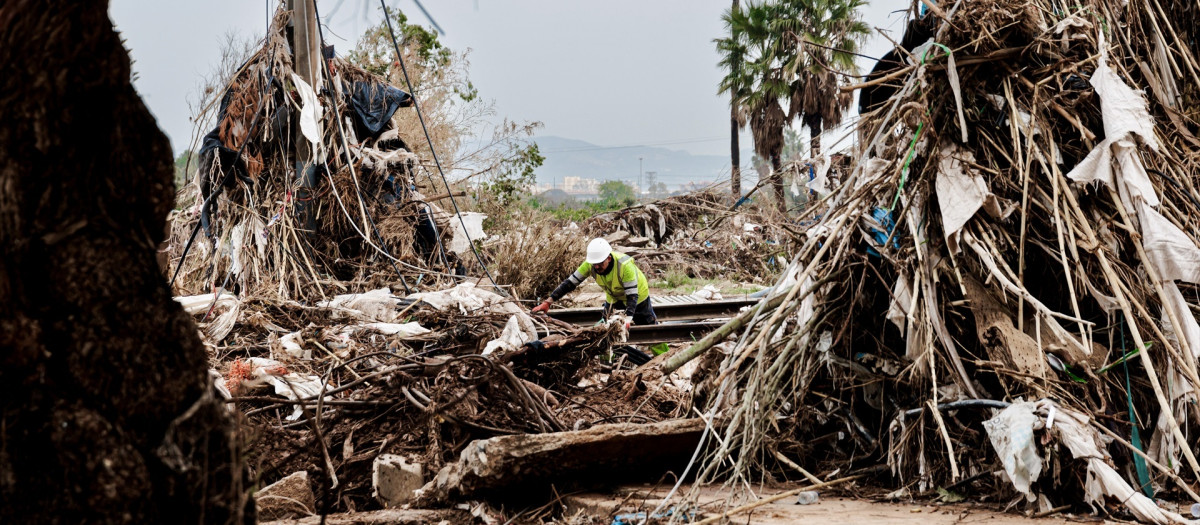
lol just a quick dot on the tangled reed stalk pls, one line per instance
(1020, 219)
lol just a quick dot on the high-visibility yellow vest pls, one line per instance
(618, 282)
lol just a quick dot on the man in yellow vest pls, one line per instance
(624, 285)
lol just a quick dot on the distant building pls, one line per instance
(575, 185)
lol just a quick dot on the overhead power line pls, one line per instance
(427, 15)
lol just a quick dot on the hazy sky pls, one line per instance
(613, 72)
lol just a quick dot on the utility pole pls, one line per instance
(306, 54)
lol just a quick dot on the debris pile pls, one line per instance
(1018, 230)
(659, 220)
(293, 273)
(534, 256)
(371, 374)
(700, 234)
(1007, 263)
(300, 185)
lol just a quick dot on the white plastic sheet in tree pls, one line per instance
(962, 192)
(310, 115)
(820, 181)
(474, 228)
(1011, 434)
(1174, 256)
(1103, 482)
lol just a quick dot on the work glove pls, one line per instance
(620, 319)
(544, 307)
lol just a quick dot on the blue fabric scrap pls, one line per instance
(887, 222)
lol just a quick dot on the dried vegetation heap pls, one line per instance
(330, 370)
(353, 383)
(700, 234)
(1020, 224)
(272, 226)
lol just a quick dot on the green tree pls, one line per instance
(617, 193)
(790, 51)
(793, 145)
(762, 85)
(515, 176)
(819, 39)
(455, 115)
(420, 46)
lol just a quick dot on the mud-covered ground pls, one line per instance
(832, 507)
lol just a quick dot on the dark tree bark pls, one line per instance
(106, 414)
(736, 155)
(814, 137)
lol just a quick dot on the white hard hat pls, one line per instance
(598, 251)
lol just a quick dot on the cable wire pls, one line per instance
(346, 151)
(400, 58)
(427, 15)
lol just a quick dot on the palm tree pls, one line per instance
(818, 40)
(736, 84)
(788, 50)
(767, 120)
(758, 86)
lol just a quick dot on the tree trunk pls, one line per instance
(814, 136)
(735, 155)
(777, 180)
(106, 411)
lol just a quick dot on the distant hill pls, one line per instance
(576, 158)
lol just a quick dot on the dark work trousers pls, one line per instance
(643, 314)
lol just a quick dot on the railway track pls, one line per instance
(680, 318)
